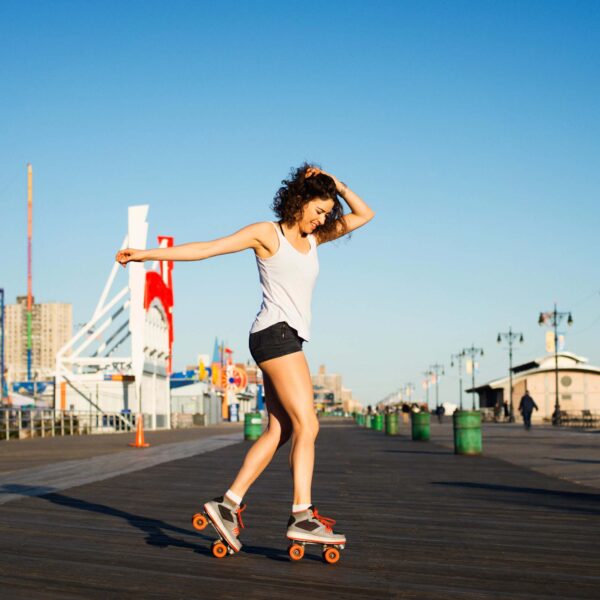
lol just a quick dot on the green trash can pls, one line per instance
(467, 432)
(360, 420)
(391, 424)
(420, 425)
(378, 422)
(252, 426)
(368, 421)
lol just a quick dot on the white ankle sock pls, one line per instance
(300, 507)
(234, 497)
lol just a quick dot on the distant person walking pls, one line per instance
(526, 407)
(440, 411)
(309, 213)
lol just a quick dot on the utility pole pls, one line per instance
(472, 353)
(553, 319)
(458, 358)
(510, 336)
(437, 370)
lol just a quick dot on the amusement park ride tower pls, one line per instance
(91, 375)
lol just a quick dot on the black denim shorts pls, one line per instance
(274, 341)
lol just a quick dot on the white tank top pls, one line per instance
(287, 279)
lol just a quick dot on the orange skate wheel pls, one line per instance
(199, 521)
(331, 555)
(296, 551)
(219, 549)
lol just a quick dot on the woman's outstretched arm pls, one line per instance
(247, 237)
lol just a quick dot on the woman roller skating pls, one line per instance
(309, 213)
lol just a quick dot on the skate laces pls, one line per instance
(328, 522)
(238, 513)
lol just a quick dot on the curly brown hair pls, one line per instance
(298, 190)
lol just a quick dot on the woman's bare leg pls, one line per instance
(261, 453)
(290, 377)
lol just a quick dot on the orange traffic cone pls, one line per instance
(139, 434)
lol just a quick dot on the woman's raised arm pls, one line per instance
(361, 212)
(247, 237)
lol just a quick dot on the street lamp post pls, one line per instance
(437, 370)
(459, 358)
(553, 319)
(510, 336)
(409, 389)
(398, 395)
(473, 353)
(427, 375)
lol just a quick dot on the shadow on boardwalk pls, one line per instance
(553, 499)
(153, 529)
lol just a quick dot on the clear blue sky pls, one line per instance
(472, 129)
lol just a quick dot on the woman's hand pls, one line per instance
(311, 171)
(339, 186)
(128, 255)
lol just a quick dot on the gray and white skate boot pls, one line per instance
(309, 526)
(226, 516)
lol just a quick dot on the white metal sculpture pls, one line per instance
(91, 375)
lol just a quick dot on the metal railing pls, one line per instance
(19, 423)
(579, 418)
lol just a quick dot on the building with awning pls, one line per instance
(578, 386)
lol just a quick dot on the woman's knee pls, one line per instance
(307, 427)
(316, 427)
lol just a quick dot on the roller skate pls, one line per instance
(309, 527)
(226, 519)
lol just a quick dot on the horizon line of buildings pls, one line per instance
(52, 328)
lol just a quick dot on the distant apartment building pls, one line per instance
(329, 393)
(51, 328)
(328, 387)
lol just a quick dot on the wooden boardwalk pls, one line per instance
(420, 523)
